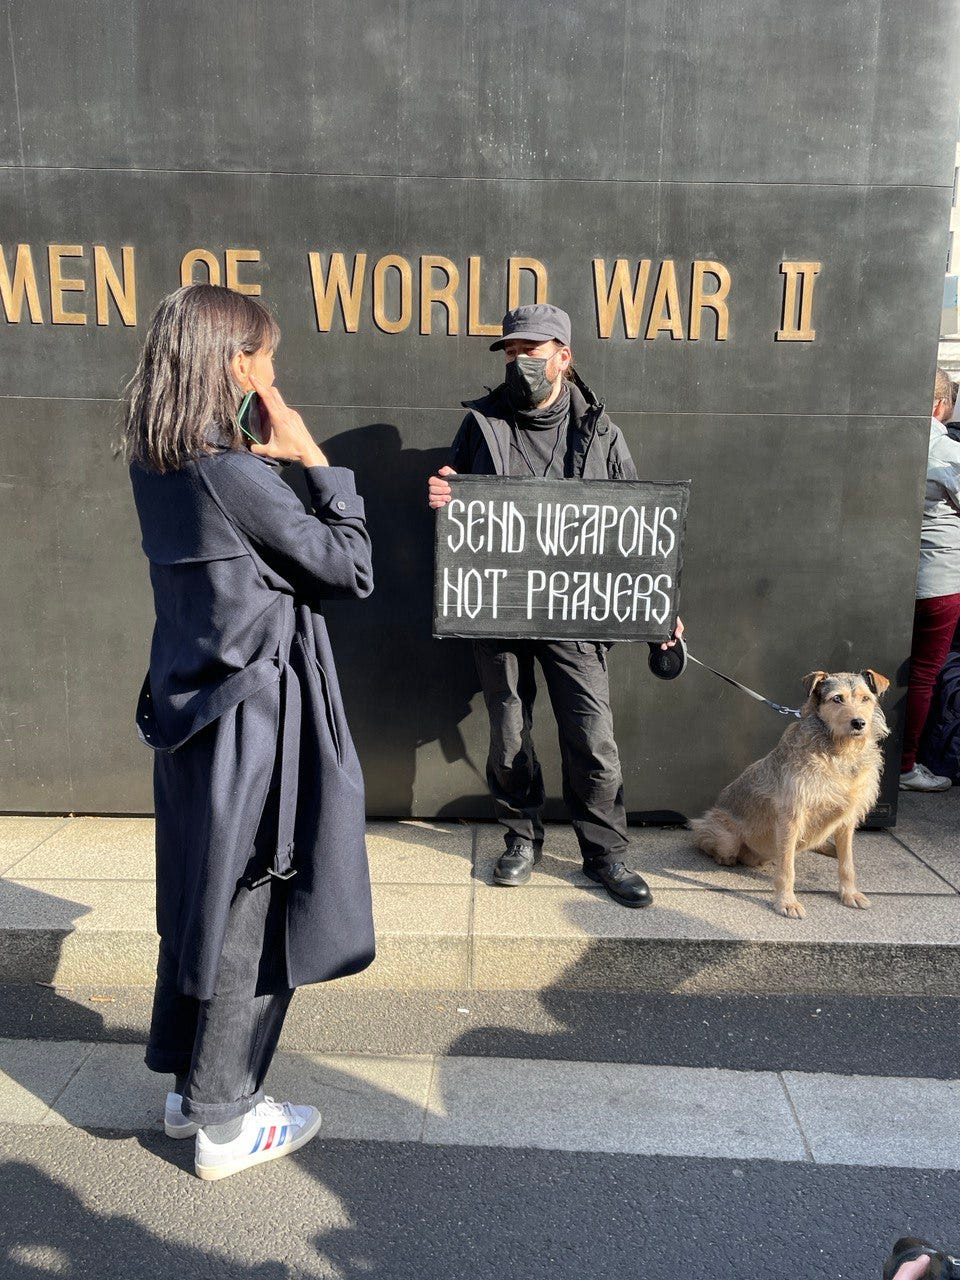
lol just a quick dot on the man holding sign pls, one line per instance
(543, 422)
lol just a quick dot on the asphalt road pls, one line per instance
(857, 1035)
(114, 1206)
(85, 1205)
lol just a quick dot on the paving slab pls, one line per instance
(434, 910)
(123, 849)
(590, 1106)
(668, 859)
(87, 931)
(18, 836)
(103, 931)
(546, 1104)
(713, 941)
(112, 1090)
(745, 916)
(371, 1098)
(929, 826)
(359, 1097)
(410, 963)
(68, 905)
(863, 1120)
(422, 937)
(34, 1073)
(93, 849)
(77, 908)
(419, 852)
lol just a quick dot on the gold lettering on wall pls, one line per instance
(190, 260)
(627, 297)
(327, 291)
(60, 284)
(234, 257)
(715, 300)
(622, 290)
(665, 313)
(108, 283)
(799, 279)
(392, 262)
(620, 295)
(445, 294)
(539, 272)
(475, 326)
(24, 286)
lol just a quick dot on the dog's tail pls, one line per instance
(716, 834)
(704, 831)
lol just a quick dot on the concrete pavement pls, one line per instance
(625, 1108)
(76, 907)
(652, 1103)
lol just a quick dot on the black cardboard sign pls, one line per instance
(559, 559)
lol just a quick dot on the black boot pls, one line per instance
(516, 862)
(623, 885)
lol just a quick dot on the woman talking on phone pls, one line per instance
(262, 878)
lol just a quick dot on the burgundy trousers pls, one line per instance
(934, 622)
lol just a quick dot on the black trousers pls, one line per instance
(225, 1045)
(577, 683)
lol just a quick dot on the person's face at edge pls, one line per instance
(557, 357)
(943, 410)
(260, 365)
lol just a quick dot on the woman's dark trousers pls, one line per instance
(579, 690)
(224, 1046)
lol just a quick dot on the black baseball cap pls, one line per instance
(537, 322)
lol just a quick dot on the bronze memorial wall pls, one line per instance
(743, 205)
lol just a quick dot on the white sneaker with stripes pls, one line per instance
(270, 1130)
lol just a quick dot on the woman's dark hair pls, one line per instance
(183, 385)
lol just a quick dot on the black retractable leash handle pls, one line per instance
(667, 664)
(909, 1248)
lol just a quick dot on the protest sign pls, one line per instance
(587, 560)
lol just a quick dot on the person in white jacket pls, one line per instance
(937, 610)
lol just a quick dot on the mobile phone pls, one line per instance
(248, 417)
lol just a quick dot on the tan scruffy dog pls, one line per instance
(818, 783)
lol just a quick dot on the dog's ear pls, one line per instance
(811, 681)
(876, 683)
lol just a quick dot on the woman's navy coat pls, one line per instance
(243, 708)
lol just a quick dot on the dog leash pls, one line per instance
(667, 664)
(784, 711)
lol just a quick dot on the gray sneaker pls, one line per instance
(921, 779)
(175, 1123)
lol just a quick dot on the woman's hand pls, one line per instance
(913, 1270)
(285, 434)
(677, 633)
(438, 491)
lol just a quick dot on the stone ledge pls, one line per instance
(76, 907)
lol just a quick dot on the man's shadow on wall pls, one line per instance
(402, 688)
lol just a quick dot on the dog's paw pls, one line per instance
(724, 859)
(851, 898)
(792, 908)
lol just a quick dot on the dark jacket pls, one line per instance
(596, 449)
(940, 747)
(243, 708)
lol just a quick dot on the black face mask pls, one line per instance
(527, 382)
